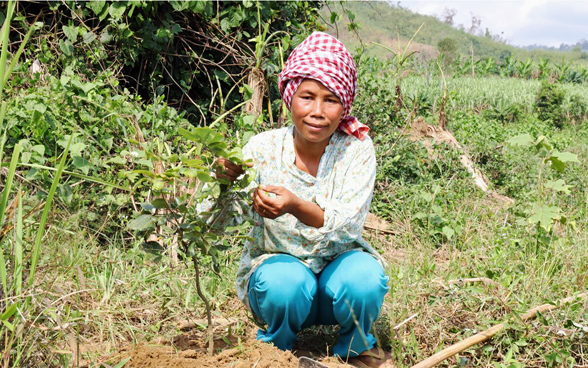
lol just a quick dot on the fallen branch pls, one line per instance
(486, 335)
(483, 280)
(405, 321)
(202, 323)
(381, 230)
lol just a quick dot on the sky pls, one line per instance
(542, 22)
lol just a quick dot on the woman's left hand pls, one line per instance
(273, 206)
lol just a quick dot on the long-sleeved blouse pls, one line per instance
(343, 188)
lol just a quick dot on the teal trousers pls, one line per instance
(288, 296)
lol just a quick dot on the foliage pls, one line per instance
(543, 214)
(502, 112)
(548, 104)
(177, 214)
(193, 53)
(22, 255)
(448, 47)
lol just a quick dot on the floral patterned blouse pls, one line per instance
(343, 188)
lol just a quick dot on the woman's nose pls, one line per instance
(317, 108)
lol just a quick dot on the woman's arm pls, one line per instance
(337, 218)
(283, 201)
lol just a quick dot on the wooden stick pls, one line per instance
(392, 232)
(483, 280)
(405, 321)
(435, 359)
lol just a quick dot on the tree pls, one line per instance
(448, 15)
(476, 23)
(448, 47)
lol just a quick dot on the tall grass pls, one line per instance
(17, 307)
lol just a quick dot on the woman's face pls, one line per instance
(316, 112)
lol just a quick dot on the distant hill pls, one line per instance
(393, 25)
(577, 47)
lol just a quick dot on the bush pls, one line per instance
(549, 104)
(577, 109)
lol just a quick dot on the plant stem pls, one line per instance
(207, 305)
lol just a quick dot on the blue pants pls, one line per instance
(349, 292)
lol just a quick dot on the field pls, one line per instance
(89, 282)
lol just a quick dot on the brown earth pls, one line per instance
(189, 351)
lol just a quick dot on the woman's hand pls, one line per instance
(228, 170)
(272, 201)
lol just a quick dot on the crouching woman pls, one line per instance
(306, 263)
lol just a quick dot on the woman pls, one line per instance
(307, 263)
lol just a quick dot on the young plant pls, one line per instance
(191, 207)
(543, 215)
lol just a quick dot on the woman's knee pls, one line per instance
(356, 274)
(282, 280)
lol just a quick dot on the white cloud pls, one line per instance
(520, 22)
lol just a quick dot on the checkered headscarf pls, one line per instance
(325, 59)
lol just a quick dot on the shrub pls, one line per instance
(549, 104)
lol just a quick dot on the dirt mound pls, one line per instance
(249, 354)
(190, 352)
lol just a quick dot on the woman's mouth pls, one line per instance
(314, 127)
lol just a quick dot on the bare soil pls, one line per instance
(190, 350)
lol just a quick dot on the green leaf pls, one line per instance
(117, 160)
(565, 156)
(180, 5)
(106, 36)
(524, 140)
(65, 192)
(558, 186)
(545, 216)
(71, 33)
(76, 149)
(147, 207)
(9, 312)
(82, 164)
(141, 223)
(247, 92)
(66, 47)
(333, 17)
(117, 9)
(215, 190)
(351, 15)
(39, 148)
(206, 136)
(558, 160)
(196, 162)
(448, 232)
(122, 363)
(96, 6)
(159, 203)
(36, 253)
(205, 177)
(426, 196)
(542, 142)
(89, 37)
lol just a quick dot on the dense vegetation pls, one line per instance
(114, 113)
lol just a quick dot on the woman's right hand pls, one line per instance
(228, 170)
